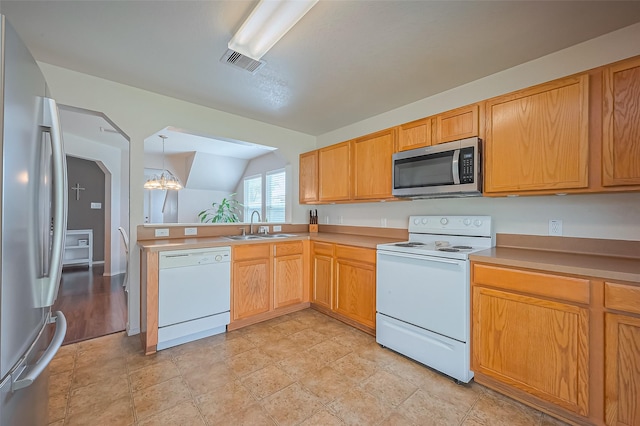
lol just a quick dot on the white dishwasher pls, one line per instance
(193, 294)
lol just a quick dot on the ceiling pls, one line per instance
(343, 62)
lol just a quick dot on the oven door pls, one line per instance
(428, 292)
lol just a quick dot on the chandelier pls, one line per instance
(166, 179)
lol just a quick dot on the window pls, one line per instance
(269, 199)
(252, 196)
(275, 195)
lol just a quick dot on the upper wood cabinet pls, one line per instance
(416, 134)
(621, 124)
(372, 166)
(537, 139)
(334, 177)
(457, 124)
(308, 177)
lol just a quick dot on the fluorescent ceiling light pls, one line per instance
(268, 22)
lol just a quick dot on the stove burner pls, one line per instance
(448, 249)
(410, 244)
(463, 247)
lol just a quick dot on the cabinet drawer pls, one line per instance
(622, 297)
(251, 251)
(287, 249)
(323, 248)
(356, 253)
(555, 286)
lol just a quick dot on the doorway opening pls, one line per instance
(92, 291)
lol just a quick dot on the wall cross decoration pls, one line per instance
(77, 188)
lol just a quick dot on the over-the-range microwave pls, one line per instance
(451, 169)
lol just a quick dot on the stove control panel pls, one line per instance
(451, 225)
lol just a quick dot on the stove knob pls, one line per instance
(467, 222)
(425, 220)
(444, 221)
(416, 221)
(477, 222)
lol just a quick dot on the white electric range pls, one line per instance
(423, 291)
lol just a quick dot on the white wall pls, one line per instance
(139, 114)
(615, 216)
(112, 159)
(193, 201)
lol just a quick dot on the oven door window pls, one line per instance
(425, 170)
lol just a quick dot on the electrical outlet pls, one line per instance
(555, 227)
(383, 222)
(96, 205)
(326, 219)
(190, 231)
(162, 232)
(340, 220)
(277, 228)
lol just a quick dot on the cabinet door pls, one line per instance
(622, 370)
(251, 288)
(288, 274)
(536, 345)
(355, 295)
(537, 138)
(333, 173)
(621, 124)
(322, 275)
(416, 134)
(372, 158)
(457, 124)
(309, 177)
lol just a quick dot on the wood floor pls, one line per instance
(93, 304)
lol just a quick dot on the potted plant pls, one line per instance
(225, 211)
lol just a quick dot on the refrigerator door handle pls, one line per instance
(49, 284)
(47, 356)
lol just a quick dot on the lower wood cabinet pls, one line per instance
(534, 344)
(343, 283)
(355, 283)
(288, 274)
(322, 274)
(567, 345)
(268, 280)
(622, 354)
(251, 283)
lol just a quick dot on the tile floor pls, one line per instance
(300, 369)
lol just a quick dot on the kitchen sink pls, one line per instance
(244, 237)
(259, 237)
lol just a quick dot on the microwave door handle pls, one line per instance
(455, 170)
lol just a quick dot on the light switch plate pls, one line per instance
(96, 205)
(162, 232)
(277, 228)
(190, 231)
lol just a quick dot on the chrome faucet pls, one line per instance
(251, 224)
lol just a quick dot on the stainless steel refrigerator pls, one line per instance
(33, 221)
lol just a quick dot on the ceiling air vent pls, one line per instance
(238, 60)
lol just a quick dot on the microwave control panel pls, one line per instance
(466, 165)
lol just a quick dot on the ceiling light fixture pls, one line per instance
(268, 22)
(166, 180)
